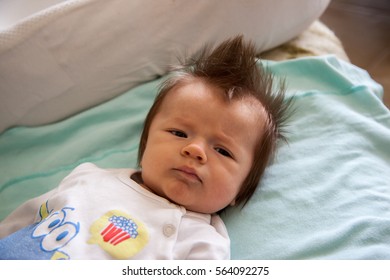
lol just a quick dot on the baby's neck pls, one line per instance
(137, 177)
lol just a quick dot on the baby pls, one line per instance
(206, 142)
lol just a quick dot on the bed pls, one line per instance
(77, 79)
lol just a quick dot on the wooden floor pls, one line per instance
(363, 26)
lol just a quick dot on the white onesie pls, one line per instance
(103, 214)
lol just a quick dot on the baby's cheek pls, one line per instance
(226, 193)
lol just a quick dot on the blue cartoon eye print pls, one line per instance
(44, 240)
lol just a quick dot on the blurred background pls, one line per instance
(363, 26)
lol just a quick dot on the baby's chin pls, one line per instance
(200, 208)
(187, 196)
(186, 200)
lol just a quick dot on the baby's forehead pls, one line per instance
(194, 93)
(232, 94)
(207, 102)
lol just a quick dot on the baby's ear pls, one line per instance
(233, 203)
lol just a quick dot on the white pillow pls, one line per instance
(12, 11)
(80, 53)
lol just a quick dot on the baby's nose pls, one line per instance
(195, 151)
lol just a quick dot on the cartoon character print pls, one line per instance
(44, 239)
(55, 231)
(119, 234)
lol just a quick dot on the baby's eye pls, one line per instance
(224, 152)
(178, 133)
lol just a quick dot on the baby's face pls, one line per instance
(200, 147)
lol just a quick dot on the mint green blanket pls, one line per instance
(326, 195)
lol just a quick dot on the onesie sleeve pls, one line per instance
(26, 214)
(199, 240)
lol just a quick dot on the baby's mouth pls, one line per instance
(189, 173)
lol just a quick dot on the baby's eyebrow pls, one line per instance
(227, 141)
(218, 137)
(224, 137)
(181, 121)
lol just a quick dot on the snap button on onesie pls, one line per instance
(169, 230)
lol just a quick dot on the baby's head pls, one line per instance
(212, 129)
